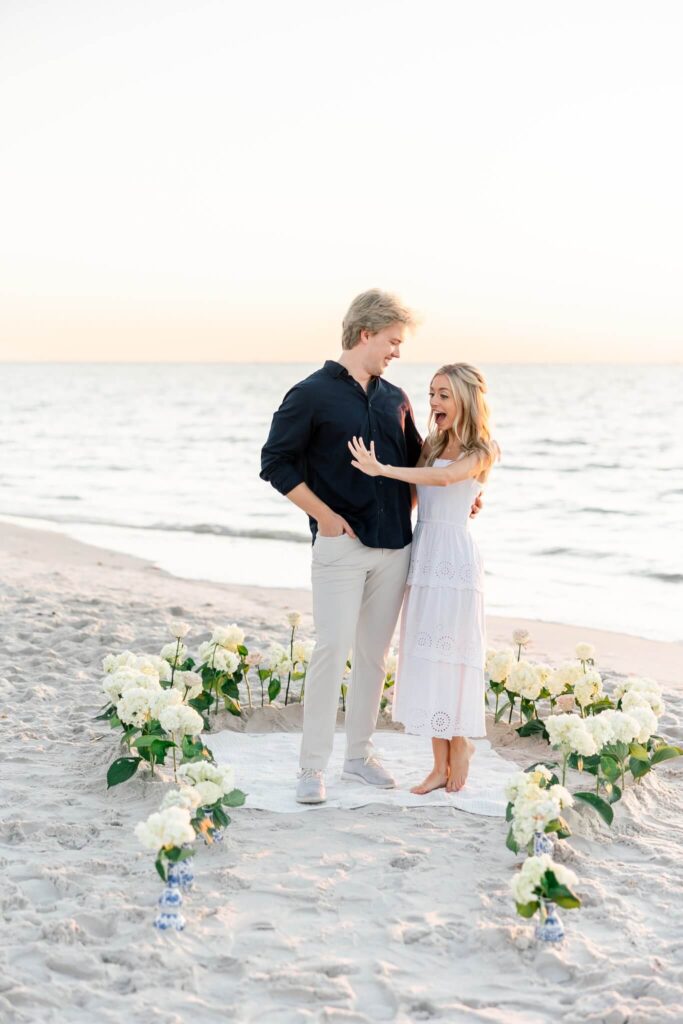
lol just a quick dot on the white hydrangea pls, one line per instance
(600, 728)
(222, 776)
(154, 666)
(218, 657)
(647, 722)
(184, 796)
(180, 720)
(391, 663)
(534, 805)
(162, 700)
(647, 689)
(134, 706)
(188, 683)
(174, 653)
(526, 885)
(569, 733)
(524, 680)
(112, 662)
(208, 793)
(588, 688)
(521, 637)
(498, 665)
(230, 637)
(624, 727)
(274, 657)
(568, 674)
(584, 652)
(163, 829)
(521, 781)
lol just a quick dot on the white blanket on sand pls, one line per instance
(266, 766)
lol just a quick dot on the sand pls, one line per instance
(375, 914)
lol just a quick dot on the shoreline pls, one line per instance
(624, 653)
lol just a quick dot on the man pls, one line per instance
(360, 525)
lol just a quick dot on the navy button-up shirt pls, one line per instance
(308, 444)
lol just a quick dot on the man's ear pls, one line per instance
(363, 337)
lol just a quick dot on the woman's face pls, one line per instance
(442, 403)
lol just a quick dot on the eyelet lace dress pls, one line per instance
(440, 675)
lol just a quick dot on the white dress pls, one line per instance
(440, 674)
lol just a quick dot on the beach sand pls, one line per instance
(375, 914)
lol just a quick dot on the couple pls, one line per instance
(344, 448)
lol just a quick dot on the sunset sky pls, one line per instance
(192, 180)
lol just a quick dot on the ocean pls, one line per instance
(582, 522)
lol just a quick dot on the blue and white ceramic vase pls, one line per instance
(169, 917)
(543, 844)
(215, 833)
(549, 928)
(186, 873)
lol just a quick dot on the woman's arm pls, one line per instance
(430, 476)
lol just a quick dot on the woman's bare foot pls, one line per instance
(461, 754)
(436, 779)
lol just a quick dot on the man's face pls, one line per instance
(382, 347)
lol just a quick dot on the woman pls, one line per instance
(440, 677)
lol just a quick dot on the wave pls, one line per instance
(206, 529)
(576, 552)
(609, 511)
(663, 577)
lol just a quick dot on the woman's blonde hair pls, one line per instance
(471, 427)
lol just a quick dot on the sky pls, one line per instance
(213, 180)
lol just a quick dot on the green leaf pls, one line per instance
(534, 727)
(202, 702)
(107, 714)
(115, 722)
(242, 650)
(235, 798)
(511, 843)
(585, 764)
(159, 865)
(601, 705)
(508, 811)
(144, 741)
(638, 751)
(638, 768)
(159, 747)
(560, 827)
(613, 794)
(609, 768)
(527, 909)
(598, 804)
(233, 707)
(220, 817)
(665, 754)
(122, 769)
(274, 687)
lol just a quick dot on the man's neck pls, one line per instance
(355, 369)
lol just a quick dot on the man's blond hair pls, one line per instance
(371, 311)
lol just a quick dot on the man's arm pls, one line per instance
(282, 457)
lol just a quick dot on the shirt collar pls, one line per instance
(336, 370)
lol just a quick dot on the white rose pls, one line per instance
(294, 619)
(188, 683)
(521, 637)
(180, 630)
(588, 688)
(174, 653)
(584, 652)
(230, 637)
(185, 796)
(208, 792)
(254, 659)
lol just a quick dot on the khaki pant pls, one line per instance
(357, 594)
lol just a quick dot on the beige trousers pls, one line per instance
(357, 595)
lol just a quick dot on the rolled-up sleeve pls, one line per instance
(282, 456)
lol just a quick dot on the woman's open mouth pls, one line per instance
(439, 417)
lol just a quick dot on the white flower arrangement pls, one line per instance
(229, 637)
(536, 805)
(543, 878)
(165, 829)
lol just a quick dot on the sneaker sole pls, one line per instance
(359, 778)
(311, 800)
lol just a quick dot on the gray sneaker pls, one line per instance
(311, 787)
(369, 770)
